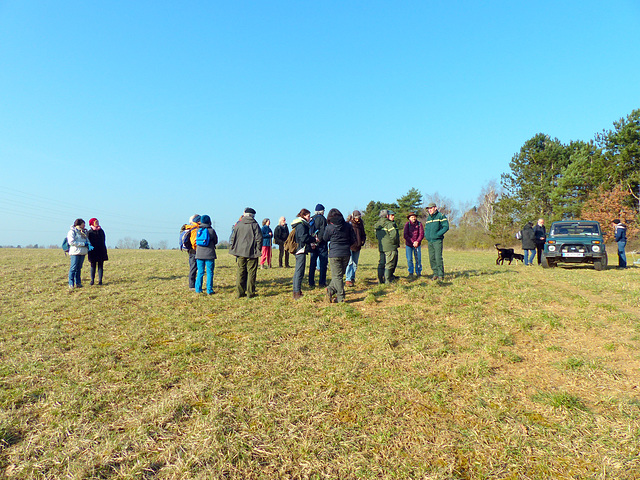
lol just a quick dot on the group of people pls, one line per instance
(333, 241)
(83, 242)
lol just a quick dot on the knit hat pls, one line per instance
(92, 221)
(194, 218)
(250, 210)
(357, 214)
(319, 208)
(205, 219)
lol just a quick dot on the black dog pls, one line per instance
(518, 257)
(505, 254)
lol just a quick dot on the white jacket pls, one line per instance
(78, 241)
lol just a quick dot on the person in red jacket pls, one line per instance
(413, 236)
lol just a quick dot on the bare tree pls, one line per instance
(486, 204)
(127, 243)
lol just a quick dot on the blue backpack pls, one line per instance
(65, 245)
(202, 237)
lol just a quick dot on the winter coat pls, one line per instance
(78, 241)
(387, 234)
(435, 226)
(302, 236)
(267, 234)
(540, 234)
(621, 233)
(341, 236)
(246, 238)
(361, 236)
(319, 224)
(528, 238)
(207, 252)
(413, 232)
(280, 234)
(98, 241)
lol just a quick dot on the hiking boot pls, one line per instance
(329, 296)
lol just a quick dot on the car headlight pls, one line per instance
(552, 248)
(595, 248)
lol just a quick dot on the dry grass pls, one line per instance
(500, 372)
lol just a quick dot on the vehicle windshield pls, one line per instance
(575, 229)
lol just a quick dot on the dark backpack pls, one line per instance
(185, 239)
(290, 245)
(203, 238)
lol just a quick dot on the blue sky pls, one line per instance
(143, 113)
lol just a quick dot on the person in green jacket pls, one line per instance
(435, 226)
(388, 243)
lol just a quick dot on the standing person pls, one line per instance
(388, 243)
(267, 235)
(340, 236)
(413, 236)
(78, 247)
(245, 245)
(435, 226)
(361, 237)
(304, 239)
(192, 226)
(98, 255)
(620, 230)
(280, 234)
(206, 253)
(540, 234)
(319, 254)
(528, 244)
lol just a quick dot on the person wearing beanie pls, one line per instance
(320, 254)
(246, 244)
(413, 235)
(98, 255)
(192, 226)
(361, 237)
(620, 230)
(435, 226)
(205, 253)
(388, 243)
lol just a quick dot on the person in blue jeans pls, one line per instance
(206, 255)
(621, 239)
(79, 247)
(361, 237)
(413, 236)
(528, 244)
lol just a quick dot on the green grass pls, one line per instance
(498, 372)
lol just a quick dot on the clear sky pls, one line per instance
(142, 113)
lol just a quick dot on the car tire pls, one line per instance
(546, 263)
(601, 264)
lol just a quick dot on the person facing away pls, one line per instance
(361, 237)
(267, 236)
(435, 226)
(304, 240)
(319, 254)
(413, 235)
(339, 235)
(192, 226)
(388, 243)
(78, 248)
(280, 234)
(620, 236)
(246, 245)
(540, 234)
(99, 254)
(206, 255)
(528, 244)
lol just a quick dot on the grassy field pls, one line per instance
(500, 372)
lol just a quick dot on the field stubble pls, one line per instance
(499, 372)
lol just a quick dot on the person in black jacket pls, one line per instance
(98, 255)
(620, 230)
(280, 234)
(540, 234)
(340, 236)
(304, 239)
(361, 237)
(528, 243)
(319, 254)
(206, 255)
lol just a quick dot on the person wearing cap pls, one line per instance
(98, 255)
(388, 243)
(435, 226)
(361, 237)
(320, 253)
(206, 256)
(413, 236)
(246, 245)
(620, 230)
(194, 223)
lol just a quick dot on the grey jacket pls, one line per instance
(246, 238)
(207, 252)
